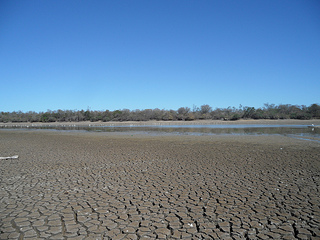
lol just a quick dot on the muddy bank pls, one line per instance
(157, 123)
(103, 186)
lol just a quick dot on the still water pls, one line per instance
(296, 131)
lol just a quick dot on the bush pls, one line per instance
(235, 117)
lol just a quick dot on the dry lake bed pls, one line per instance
(102, 185)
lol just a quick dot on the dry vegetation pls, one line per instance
(268, 111)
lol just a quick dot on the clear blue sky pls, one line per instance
(72, 55)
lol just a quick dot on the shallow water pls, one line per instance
(296, 131)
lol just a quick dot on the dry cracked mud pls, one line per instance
(75, 185)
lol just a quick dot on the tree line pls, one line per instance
(268, 111)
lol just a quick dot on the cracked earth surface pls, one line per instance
(74, 185)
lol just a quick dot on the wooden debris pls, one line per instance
(7, 158)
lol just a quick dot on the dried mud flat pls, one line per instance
(74, 185)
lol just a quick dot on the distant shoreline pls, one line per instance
(160, 123)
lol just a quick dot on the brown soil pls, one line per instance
(105, 186)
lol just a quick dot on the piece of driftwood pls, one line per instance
(7, 158)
